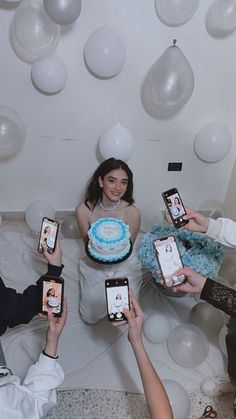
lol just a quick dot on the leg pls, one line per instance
(92, 292)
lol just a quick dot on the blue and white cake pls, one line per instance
(109, 240)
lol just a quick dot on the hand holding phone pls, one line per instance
(117, 298)
(48, 235)
(52, 295)
(169, 260)
(175, 207)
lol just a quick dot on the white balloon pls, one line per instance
(63, 12)
(12, 133)
(49, 74)
(221, 340)
(117, 142)
(33, 34)
(36, 211)
(208, 318)
(168, 85)
(69, 228)
(212, 142)
(175, 12)
(104, 52)
(187, 345)
(178, 398)
(156, 328)
(221, 18)
(216, 208)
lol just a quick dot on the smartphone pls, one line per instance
(169, 260)
(117, 298)
(175, 207)
(52, 295)
(48, 235)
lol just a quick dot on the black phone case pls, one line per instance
(177, 222)
(119, 283)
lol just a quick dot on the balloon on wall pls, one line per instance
(212, 142)
(33, 34)
(116, 142)
(104, 52)
(168, 85)
(175, 12)
(208, 318)
(36, 211)
(12, 133)
(69, 228)
(156, 328)
(49, 74)
(188, 345)
(178, 398)
(63, 12)
(221, 18)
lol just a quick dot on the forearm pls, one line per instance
(155, 393)
(220, 296)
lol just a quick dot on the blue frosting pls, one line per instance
(122, 231)
(103, 242)
(198, 251)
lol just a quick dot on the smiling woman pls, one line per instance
(109, 194)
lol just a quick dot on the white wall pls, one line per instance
(60, 151)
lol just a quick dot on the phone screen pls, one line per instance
(52, 296)
(169, 260)
(48, 235)
(175, 207)
(117, 297)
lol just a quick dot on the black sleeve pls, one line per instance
(220, 296)
(17, 308)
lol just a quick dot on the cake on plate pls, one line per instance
(109, 240)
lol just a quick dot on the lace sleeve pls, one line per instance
(220, 296)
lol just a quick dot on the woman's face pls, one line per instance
(176, 200)
(115, 184)
(52, 292)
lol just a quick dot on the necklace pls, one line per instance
(109, 208)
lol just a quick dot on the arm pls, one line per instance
(220, 296)
(134, 221)
(82, 217)
(155, 393)
(46, 375)
(20, 308)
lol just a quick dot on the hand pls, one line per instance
(194, 281)
(196, 221)
(135, 320)
(55, 258)
(56, 325)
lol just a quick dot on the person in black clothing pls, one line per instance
(18, 308)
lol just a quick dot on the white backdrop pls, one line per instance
(60, 151)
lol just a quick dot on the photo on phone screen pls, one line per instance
(117, 298)
(175, 207)
(48, 235)
(169, 260)
(52, 295)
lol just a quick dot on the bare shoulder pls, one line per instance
(81, 209)
(133, 211)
